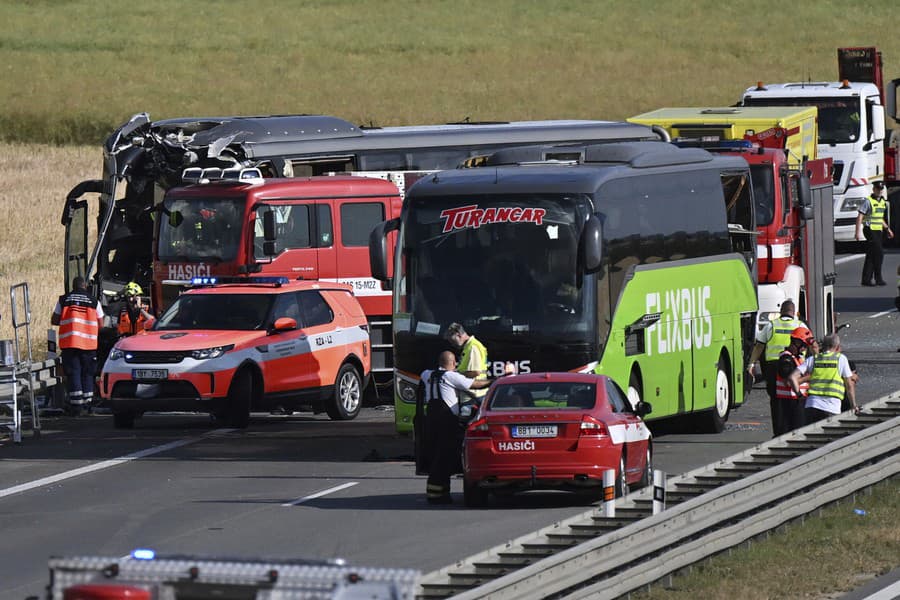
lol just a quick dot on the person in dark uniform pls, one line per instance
(871, 222)
(444, 430)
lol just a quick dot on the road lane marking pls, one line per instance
(889, 593)
(336, 488)
(24, 487)
(852, 257)
(882, 313)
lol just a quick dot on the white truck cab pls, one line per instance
(851, 133)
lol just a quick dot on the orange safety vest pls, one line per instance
(783, 389)
(79, 324)
(126, 327)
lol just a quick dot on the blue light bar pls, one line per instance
(143, 554)
(204, 280)
(200, 281)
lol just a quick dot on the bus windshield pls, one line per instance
(200, 229)
(838, 117)
(504, 264)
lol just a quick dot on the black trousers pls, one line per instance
(791, 414)
(815, 414)
(874, 256)
(444, 440)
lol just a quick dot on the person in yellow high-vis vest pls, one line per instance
(871, 221)
(830, 377)
(473, 360)
(771, 341)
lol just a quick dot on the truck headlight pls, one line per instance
(210, 352)
(115, 354)
(851, 204)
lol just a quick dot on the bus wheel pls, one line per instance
(635, 389)
(239, 395)
(347, 398)
(474, 496)
(715, 420)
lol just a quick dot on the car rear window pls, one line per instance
(555, 396)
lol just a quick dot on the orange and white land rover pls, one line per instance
(228, 349)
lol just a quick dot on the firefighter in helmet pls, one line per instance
(133, 315)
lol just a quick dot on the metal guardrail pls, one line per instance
(726, 504)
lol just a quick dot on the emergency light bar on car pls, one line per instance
(206, 281)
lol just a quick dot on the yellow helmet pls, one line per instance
(132, 289)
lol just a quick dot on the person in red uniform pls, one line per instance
(79, 317)
(133, 315)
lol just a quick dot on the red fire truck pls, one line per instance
(314, 228)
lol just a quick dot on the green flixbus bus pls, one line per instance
(630, 259)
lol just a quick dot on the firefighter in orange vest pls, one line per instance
(133, 315)
(791, 404)
(79, 317)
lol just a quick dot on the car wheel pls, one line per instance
(123, 420)
(621, 479)
(647, 475)
(347, 399)
(239, 395)
(474, 496)
(715, 418)
(635, 389)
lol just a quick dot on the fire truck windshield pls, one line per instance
(245, 312)
(505, 264)
(763, 178)
(206, 229)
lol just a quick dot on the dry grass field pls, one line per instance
(31, 236)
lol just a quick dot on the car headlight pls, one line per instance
(851, 204)
(115, 354)
(406, 390)
(210, 352)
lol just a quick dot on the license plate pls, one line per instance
(534, 431)
(149, 374)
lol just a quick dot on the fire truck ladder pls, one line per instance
(17, 370)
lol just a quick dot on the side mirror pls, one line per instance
(269, 234)
(643, 408)
(592, 244)
(378, 252)
(804, 191)
(285, 324)
(877, 126)
(149, 323)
